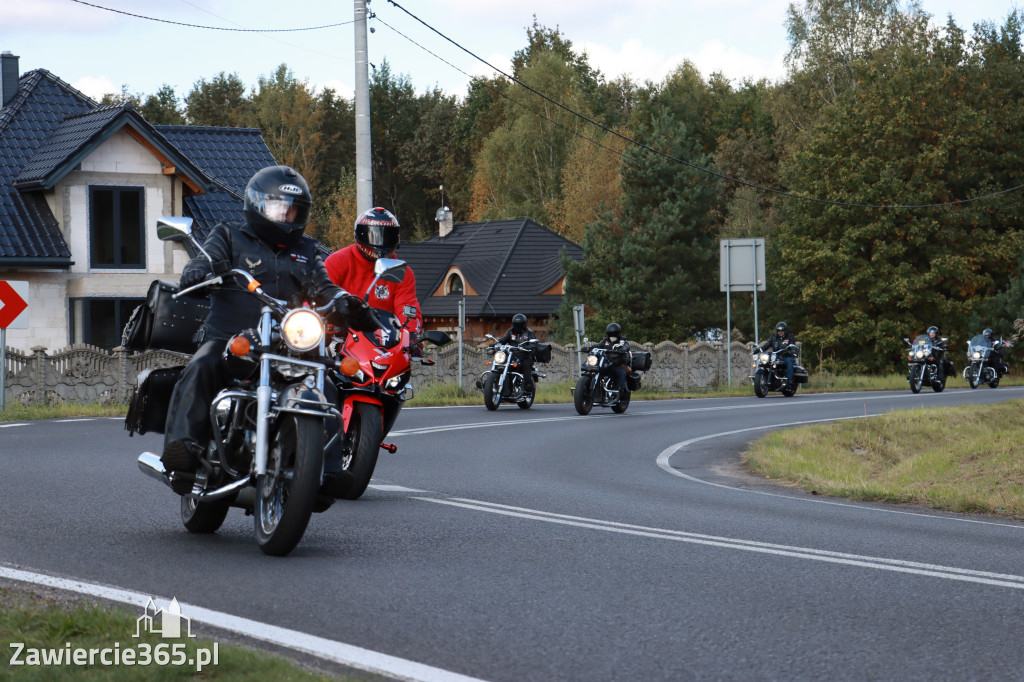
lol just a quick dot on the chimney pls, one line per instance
(8, 77)
(445, 222)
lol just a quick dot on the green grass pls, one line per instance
(44, 622)
(16, 412)
(961, 459)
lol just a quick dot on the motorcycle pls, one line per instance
(373, 385)
(770, 371)
(980, 368)
(923, 365)
(505, 381)
(597, 387)
(269, 424)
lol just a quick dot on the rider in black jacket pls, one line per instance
(517, 334)
(995, 358)
(938, 350)
(780, 341)
(619, 359)
(271, 246)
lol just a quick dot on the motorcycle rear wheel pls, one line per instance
(491, 396)
(791, 391)
(761, 384)
(528, 402)
(994, 382)
(203, 517)
(285, 503)
(937, 386)
(620, 407)
(365, 431)
(582, 398)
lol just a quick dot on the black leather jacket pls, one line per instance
(619, 356)
(776, 342)
(511, 336)
(283, 273)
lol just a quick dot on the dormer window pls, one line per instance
(454, 286)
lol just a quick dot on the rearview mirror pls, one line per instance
(389, 269)
(174, 228)
(438, 338)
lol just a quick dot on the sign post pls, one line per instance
(578, 321)
(13, 315)
(742, 269)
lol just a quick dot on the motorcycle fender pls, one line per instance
(350, 403)
(298, 396)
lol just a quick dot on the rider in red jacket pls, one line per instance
(351, 268)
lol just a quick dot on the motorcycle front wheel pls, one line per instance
(363, 438)
(916, 378)
(582, 398)
(972, 377)
(492, 398)
(203, 517)
(761, 384)
(285, 495)
(526, 402)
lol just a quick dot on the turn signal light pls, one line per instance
(349, 366)
(239, 346)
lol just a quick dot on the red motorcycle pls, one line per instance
(375, 356)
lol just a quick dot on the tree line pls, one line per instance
(862, 168)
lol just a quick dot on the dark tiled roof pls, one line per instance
(509, 263)
(29, 233)
(73, 134)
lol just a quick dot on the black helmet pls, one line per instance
(377, 233)
(277, 204)
(933, 330)
(614, 331)
(781, 327)
(987, 334)
(519, 322)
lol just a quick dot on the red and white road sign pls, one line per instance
(13, 303)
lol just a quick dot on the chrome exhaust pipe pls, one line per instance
(221, 493)
(151, 465)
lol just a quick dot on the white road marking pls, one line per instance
(879, 563)
(83, 419)
(394, 488)
(7, 426)
(327, 649)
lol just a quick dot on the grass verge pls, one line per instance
(961, 459)
(59, 624)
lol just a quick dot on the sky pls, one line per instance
(99, 51)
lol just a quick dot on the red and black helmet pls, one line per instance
(377, 233)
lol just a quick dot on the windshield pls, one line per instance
(980, 340)
(922, 340)
(391, 335)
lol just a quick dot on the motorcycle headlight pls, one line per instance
(976, 355)
(592, 361)
(302, 330)
(919, 354)
(500, 356)
(910, 356)
(763, 357)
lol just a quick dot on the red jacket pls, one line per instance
(351, 271)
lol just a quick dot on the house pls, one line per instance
(499, 267)
(81, 187)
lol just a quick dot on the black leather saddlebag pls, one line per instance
(147, 409)
(543, 352)
(639, 361)
(165, 322)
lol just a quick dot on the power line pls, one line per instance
(701, 169)
(214, 28)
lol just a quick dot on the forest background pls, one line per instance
(885, 172)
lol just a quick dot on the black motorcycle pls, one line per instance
(505, 381)
(927, 364)
(269, 424)
(982, 366)
(770, 371)
(596, 386)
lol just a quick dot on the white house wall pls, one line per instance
(47, 310)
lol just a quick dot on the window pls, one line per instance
(454, 286)
(116, 217)
(99, 321)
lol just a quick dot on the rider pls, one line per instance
(995, 358)
(619, 359)
(517, 334)
(271, 246)
(377, 236)
(938, 350)
(781, 340)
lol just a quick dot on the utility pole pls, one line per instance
(364, 164)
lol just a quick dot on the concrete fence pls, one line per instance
(83, 373)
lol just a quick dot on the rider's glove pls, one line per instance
(415, 346)
(193, 275)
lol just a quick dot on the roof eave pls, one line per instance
(23, 262)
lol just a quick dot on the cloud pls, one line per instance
(95, 87)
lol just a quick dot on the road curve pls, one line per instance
(541, 545)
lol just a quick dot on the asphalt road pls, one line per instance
(541, 545)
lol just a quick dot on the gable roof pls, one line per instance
(79, 135)
(509, 263)
(29, 233)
